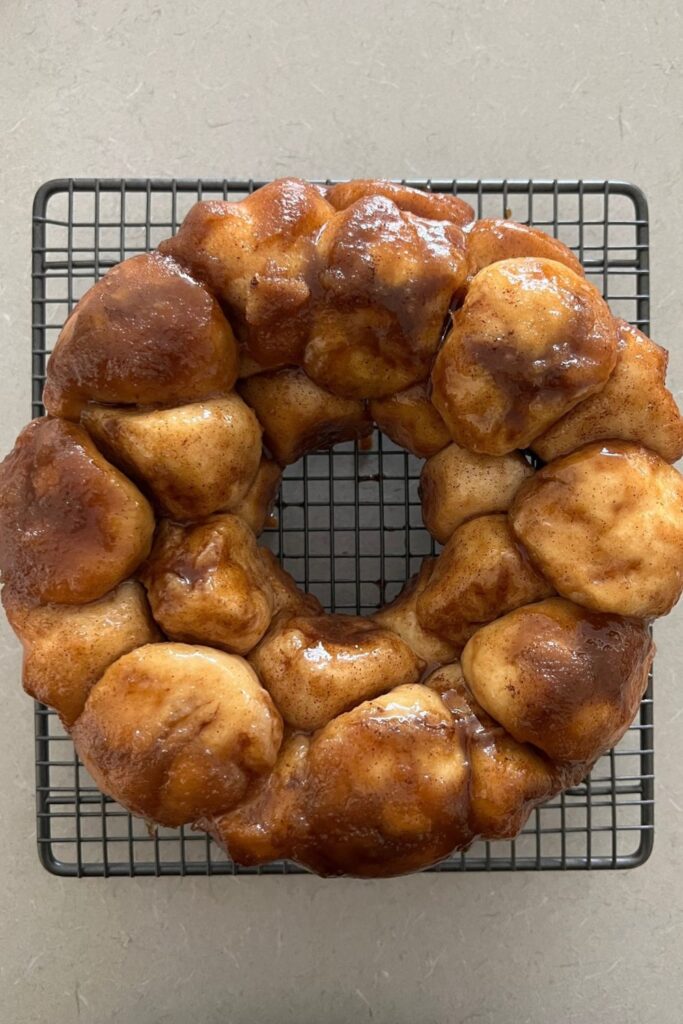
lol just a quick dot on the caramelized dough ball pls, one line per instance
(634, 405)
(387, 787)
(457, 484)
(71, 525)
(314, 667)
(431, 205)
(531, 340)
(269, 823)
(194, 459)
(176, 733)
(207, 583)
(147, 332)
(605, 525)
(401, 617)
(480, 574)
(410, 419)
(384, 287)
(256, 255)
(288, 599)
(298, 416)
(565, 679)
(507, 779)
(489, 241)
(255, 508)
(68, 647)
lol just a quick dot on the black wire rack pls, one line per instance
(349, 525)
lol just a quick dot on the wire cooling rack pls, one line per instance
(349, 527)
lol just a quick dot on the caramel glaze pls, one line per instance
(315, 667)
(207, 584)
(634, 405)
(430, 205)
(560, 677)
(358, 296)
(379, 791)
(381, 291)
(255, 255)
(392, 786)
(71, 525)
(531, 340)
(298, 416)
(147, 332)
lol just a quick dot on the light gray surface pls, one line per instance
(592, 89)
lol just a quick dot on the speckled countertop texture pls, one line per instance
(542, 88)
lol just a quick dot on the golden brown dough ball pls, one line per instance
(489, 241)
(314, 667)
(480, 574)
(68, 647)
(298, 416)
(71, 525)
(531, 340)
(605, 526)
(387, 787)
(507, 779)
(194, 459)
(401, 617)
(288, 599)
(255, 508)
(384, 287)
(431, 205)
(208, 584)
(411, 420)
(256, 255)
(176, 733)
(634, 405)
(457, 485)
(270, 822)
(147, 332)
(565, 679)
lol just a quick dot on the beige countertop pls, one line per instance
(583, 89)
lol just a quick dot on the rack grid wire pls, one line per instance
(349, 527)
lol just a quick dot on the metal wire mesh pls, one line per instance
(349, 526)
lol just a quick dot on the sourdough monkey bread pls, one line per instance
(200, 685)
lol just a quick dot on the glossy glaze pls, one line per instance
(315, 667)
(634, 405)
(256, 255)
(380, 297)
(531, 340)
(176, 732)
(507, 779)
(147, 332)
(565, 679)
(207, 584)
(71, 525)
(605, 526)
(430, 205)
(298, 416)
